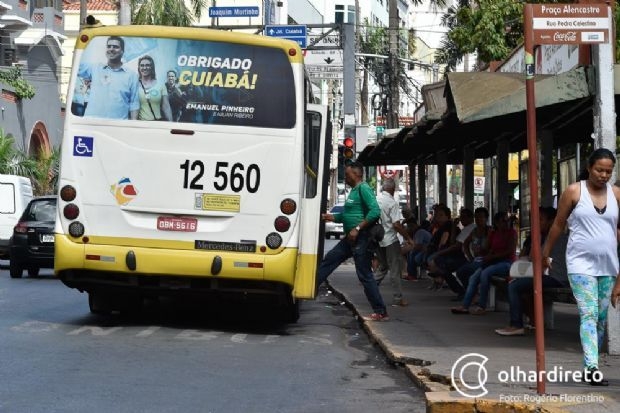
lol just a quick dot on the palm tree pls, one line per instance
(42, 169)
(44, 176)
(12, 160)
(166, 12)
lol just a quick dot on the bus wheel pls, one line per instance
(15, 270)
(99, 303)
(291, 311)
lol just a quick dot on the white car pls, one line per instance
(334, 228)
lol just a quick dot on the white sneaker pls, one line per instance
(510, 331)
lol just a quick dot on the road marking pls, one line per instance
(148, 332)
(95, 331)
(35, 327)
(239, 338)
(315, 340)
(189, 334)
(196, 335)
(271, 338)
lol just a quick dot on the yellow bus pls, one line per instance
(193, 161)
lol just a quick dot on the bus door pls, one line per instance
(317, 150)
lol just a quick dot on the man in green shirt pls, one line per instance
(361, 210)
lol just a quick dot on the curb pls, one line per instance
(439, 393)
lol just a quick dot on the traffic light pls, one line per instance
(349, 143)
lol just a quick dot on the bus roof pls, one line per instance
(192, 33)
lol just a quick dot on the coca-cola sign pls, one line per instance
(565, 37)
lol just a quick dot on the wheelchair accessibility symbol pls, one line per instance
(82, 146)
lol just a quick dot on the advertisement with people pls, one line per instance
(184, 80)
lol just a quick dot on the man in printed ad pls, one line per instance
(113, 87)
(206, 82)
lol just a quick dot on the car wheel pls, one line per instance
(33, 271)
(15, 270)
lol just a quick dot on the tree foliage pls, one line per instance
(166, 12)
(13, 77)
(489, 28)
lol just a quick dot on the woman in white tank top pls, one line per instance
(590, 208)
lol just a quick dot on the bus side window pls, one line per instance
(312, 140)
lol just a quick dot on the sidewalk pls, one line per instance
(428, 339)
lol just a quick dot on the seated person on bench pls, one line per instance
(520, 289)
(502, 247)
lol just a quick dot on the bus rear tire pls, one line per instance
(291, 312)
(106, 303)
(99, 303)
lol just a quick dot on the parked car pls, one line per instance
(334, 228)
(15, 193)
(32, 243)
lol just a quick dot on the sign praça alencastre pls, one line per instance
(570, 23)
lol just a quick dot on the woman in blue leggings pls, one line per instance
(590, 208)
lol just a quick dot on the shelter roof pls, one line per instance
(483, 107)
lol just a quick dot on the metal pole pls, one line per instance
(530, 68)
(392, 116)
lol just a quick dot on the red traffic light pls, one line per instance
(348, 142)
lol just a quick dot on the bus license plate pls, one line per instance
(47, 238)
(177, 224)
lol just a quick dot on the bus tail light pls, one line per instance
(68, 193)
(282, 224)
(71, 211)
(274, 240)
(76, 229)
(288, 206)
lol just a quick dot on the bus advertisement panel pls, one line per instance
(202, 81)
(192, 161)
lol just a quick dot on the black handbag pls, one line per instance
(376, 231)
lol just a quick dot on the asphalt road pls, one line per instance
(187, 357)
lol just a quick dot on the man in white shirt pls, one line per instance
(388, 254)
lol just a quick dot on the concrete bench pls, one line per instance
(498, 298)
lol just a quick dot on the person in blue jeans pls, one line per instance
(502, 247)
(361, 211)
(416, 251)
(518, 288)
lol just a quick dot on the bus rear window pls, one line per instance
(183, 80)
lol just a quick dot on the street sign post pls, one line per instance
(297, 33)
(551, 24)
(233, 12)
(570, 23)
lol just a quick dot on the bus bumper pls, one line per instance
(89, 267)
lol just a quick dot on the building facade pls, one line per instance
(31, 36)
